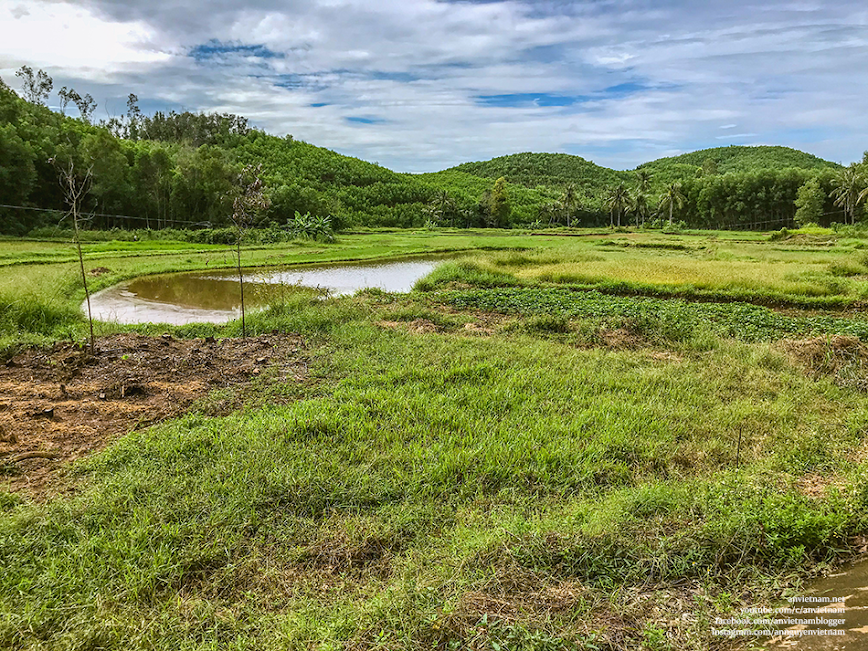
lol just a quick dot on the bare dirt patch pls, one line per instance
(843, 359)
(418, 326)
(59, 404)
(621, 339)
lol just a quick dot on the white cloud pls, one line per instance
(788, 72)
(71, 40)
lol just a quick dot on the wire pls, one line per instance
(100, 214)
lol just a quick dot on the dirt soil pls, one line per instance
(60, 404)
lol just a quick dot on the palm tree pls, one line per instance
(640, 195)
(850, 191)
(643, 180)
(550, 213)
(441, 208)
(569, 200)
(672, 198)
(639, 206)
(616, 201)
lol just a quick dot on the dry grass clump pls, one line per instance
(841, 358)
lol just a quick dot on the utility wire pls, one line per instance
(99, 214)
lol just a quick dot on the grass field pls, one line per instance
(598, 442)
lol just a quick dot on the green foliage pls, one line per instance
(175, 171)
(534, 486)
(498, 207)
(552, 170)
(740, 159)
(655, 318)
(810, 201)
(311, 227)
(464, 272)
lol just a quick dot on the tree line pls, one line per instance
(176, 170)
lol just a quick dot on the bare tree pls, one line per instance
(75, 186)
(249, 202)
(37, 87)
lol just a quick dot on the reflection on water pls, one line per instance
(214, 297)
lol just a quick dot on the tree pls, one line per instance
(442, 208)
(151, 174)
(672, 198)
(709, 167)
(499, 208)
(37, 87)
(849, 191)
(616, 202)
(810, 200)
(110, 186)
(17, 170)
(67, 95)
(86, 106)
(569, 202)
(248, 203)
(134, 117)
(75, 185)
(640, 195)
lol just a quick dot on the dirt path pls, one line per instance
(60, 404)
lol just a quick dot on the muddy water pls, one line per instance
(847, 590)
(214, 297)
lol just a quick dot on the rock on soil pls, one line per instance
(60, 404)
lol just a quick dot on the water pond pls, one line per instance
(215, 297)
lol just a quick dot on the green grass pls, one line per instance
(534, 488)
(420, 472)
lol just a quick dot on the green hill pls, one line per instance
(178, 170)
(739, 159)
(547, 170)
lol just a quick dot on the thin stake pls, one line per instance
(241, 283)
(738, 451)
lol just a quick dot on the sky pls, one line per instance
(421, 85)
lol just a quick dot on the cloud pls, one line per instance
(422, 84)
(71, 40)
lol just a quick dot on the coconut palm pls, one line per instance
(569, 201)
(616, 201)
(442, 208)
(640, 195)
(639, 206)
(672, 198)
(551, 212)
(850, 191)
(643, 181)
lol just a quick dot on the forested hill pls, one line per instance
(557, 170)
(738, 158)
(552, 170)
(179, 170)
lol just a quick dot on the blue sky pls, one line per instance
(420, 85)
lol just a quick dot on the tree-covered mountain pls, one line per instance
(546, 170)
(737, 158)
(179, 170)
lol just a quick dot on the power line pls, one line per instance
(100, 214)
